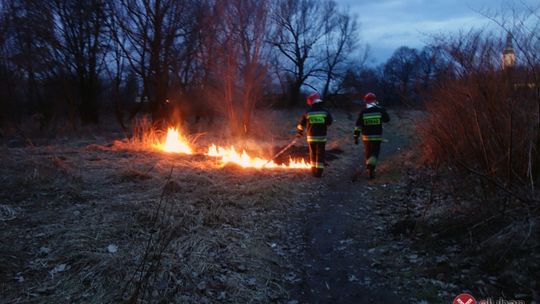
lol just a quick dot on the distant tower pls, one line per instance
(509, 56)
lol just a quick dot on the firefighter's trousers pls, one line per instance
(371, 153)
(316, 157)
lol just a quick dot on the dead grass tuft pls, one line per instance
(7, 213)
(98, 148)
(133, 175)
(172, 187)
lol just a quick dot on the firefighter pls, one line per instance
(315, 122)
(369, 124)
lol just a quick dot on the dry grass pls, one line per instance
(71, 210)
(185, 229)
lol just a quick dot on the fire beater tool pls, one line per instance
(287, 147)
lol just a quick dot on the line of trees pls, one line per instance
(78, 59)
(406, 78)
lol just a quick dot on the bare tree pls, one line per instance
(431, 67)
(360, 80)
(152, 31)
(116, 63)
(254, 31)
(401, 71)
(80, 31)
(197, 52)
(236, 57)
(5, 71)
(28, 50)
(340, 41)
(300, 25)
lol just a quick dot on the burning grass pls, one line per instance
(100, 223)
(230, 155)
(147, 137)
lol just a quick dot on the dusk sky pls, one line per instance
(388, 24)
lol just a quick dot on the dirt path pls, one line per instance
(338, 265)
(338, 268)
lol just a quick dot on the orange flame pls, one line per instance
(244, 160)
(175, 143)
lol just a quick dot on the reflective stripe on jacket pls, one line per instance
(369, 123)
(315, 121)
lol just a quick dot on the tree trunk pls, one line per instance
(295, 93)
(89, 108)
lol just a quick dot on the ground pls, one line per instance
(87, 219)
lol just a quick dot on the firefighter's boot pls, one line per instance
(370, 165)
(370, 171)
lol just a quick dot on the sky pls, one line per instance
(388, 24)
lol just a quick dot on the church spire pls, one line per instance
(509, 56)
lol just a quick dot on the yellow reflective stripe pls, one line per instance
(371, 137)
(317, 165)
(372, 115)
(371, 119)
(371, 161)
(316, 118)
(316, 138)
(309, 115)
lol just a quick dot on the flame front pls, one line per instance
(230, 155)
(175, 143)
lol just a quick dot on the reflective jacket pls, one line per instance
(315, 121)
(369, 123)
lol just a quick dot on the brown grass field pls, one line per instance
(84, 222)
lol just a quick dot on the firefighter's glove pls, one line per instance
(356, 140)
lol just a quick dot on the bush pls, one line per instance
(483, 118)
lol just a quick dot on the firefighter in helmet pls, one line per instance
(315, 122)
(369, 124)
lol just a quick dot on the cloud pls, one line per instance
(389, 24)
(415, 33)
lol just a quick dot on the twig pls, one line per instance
(496, 216)
(484, 151)
(529, 232)
(147, 250)
(196, 137)
(529, 167)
